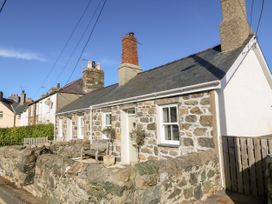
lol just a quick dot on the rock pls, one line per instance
(176, 193)
(191, 102)
(146, 180)
(193, 179)
(152, 195)
(196, 110)
(156, 151)
(197, 95)
(146, 150)
(191, 118)
(185, 126)
(144, 120)
(188, 193)
(151, 126)
(205, 101)
(200, 131)
(187, 141)
(206, 120)
(198, 192)
(183, 111)
(210, 173)
(173, 153)
(206, 142)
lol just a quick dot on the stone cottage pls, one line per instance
(184, 106)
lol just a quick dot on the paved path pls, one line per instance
(12, 195)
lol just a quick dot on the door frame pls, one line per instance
(125, 151)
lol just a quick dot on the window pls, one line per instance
(80, 127)
(1, 114)
(60, 128)
(169, 125)
(107, 120)
(106, 123)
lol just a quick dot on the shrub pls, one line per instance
(15, 136)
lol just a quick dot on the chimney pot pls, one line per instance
(1, 95)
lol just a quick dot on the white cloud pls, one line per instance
(18, 54)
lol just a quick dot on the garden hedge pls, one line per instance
(15, 136)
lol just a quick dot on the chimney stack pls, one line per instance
(234, 29)
(130, 65)
(23, 98)
(93, 77)
(1, 95)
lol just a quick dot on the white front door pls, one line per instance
(133, 153)
(69, 133)
(129, 153)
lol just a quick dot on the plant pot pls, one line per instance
(109, 160)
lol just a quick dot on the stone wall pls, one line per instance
(58, 179)
(74, 117)
(195, 123)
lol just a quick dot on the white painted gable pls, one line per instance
(245, 102)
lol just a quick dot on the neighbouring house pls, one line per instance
(43, 110)
(11, 109)
(184, 106)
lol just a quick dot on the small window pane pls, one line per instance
(108, 119)
(1, 114)
(165, 115)
(173, 111)
(167, 132)
(175, 132)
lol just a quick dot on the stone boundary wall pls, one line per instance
(58, 179)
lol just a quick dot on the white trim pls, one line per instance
(60, 129)
(72, 111)
(264, 65)
(237, 62)
(207, 86)
(80, 125)
(219, 139)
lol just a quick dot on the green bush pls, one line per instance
(15, 136)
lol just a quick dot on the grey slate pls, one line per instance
(205, 66)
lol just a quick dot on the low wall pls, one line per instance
(58, 179)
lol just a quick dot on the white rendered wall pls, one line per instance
(246, 103)
(24, 118)
(46, 113)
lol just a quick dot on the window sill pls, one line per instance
(169, 145)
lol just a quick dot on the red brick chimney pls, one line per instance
(129, 49)
(130, 65)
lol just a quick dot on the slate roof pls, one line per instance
(74, 87)
(206, 66)
(14, 106)
(10, 104)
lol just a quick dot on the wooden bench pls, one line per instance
(98, 148)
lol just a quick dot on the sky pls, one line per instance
(33, 33)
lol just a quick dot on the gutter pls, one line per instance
(162, 94)
(207, 86)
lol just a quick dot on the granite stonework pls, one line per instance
(74, 117)
(195, 124)
(59, 179)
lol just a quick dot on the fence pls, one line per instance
(244, 160)
(35, 141)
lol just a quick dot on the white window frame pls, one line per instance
(104, 120)
(162, 139)
(80, 127)
(104, 125)
(1, 114)
(60, 128)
